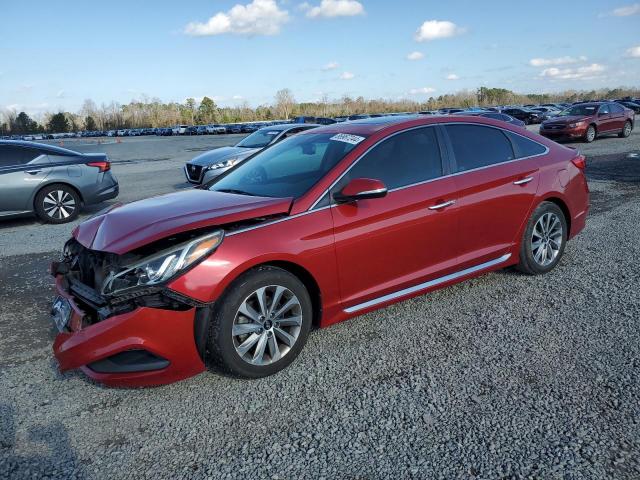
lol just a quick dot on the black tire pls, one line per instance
(626, 130)
(57, 203)
(527, 121)
(591, 134)
(528, 262)
(221, 354)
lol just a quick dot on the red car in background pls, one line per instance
(329, 224)
(587, 121)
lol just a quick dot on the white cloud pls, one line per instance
(434, 29)
(260, 17)
(60, 94)
(238, 97)
(452, 76)
(415, 56)
(633, 52)
(330, 66)
(421, 91)
(627, 10)
(586, 72)
(346, 76)
(545, 62)
(334, 8)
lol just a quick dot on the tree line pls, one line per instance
(152, 112)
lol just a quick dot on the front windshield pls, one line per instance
(579, 110)
(289, 168)
(258, 139)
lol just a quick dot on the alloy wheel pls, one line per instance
(591, 134)
(546, 239)
(627, 129)
(59, 204)
(267, 325)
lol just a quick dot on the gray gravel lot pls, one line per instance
(499, 377)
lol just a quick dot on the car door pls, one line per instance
(605, 121)
(618, 117)
(22, 170)
(387, 244)
(496, 175)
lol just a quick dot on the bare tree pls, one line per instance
(284, 103)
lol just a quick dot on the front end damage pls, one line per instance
(140, 337)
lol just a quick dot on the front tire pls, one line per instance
(57, 203)
(626, 130)
(260, 324)
(590, 134)
(544, 240)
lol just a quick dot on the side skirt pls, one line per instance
(426, 285)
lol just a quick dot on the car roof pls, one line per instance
(41, 146)
(282, 127)
(370, 126)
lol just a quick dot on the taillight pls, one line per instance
(580, 162)
(102, 166)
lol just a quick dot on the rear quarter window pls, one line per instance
(524, 147)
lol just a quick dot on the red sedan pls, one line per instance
(329, 224)
(587, 121)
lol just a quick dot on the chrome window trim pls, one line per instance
(425, 285)
(546, 151)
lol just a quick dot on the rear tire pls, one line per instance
(590, 134)
(626, 130)
(544, 240)
(252, 333)
(57, 203)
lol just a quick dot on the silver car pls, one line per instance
(209, 165)
(51, 182)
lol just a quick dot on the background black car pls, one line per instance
(524, 114)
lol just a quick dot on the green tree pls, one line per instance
(24, 124)
(89, 123)
(58, 123)
(190, 105)
(207, 111)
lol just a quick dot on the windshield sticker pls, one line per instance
(345, 137)
(272, 133)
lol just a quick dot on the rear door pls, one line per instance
(384, 245)
(618, 116)
(605, 121)
(22, 170)
(496, 176)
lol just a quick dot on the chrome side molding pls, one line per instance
(429, 284)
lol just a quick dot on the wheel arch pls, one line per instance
(55, 182)
(565, 210)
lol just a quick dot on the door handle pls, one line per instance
(33, 172)
(442, 205)
(523, 181)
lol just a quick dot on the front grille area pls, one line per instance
(194, 172)
(555, 126)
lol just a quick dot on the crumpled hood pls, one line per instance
(571, 119)
(123, 228)
(221, 154)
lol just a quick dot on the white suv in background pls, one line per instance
(179, 129)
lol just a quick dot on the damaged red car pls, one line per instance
(329, 224)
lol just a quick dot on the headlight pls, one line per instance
(574, 125)
(163, 265)
(226, 163)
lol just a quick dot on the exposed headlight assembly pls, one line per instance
(162, 266)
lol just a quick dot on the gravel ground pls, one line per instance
(498, 377)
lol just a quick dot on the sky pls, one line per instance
(57, 54)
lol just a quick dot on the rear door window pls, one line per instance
(476, 146)
(615, 108)
(12, 155)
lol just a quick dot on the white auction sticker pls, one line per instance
(345, 137)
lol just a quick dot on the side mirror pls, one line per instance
(360, 189)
